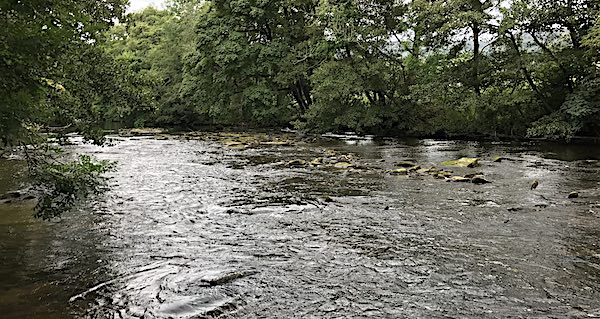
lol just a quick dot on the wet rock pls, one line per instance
(296, 163)
(414, 168)
(515, 209)
(473, 175)
(426, 170)
(439, 176)
(478, 179)
(573, 195)
(459, 179)
(399, 171)
(406, 164)
(317, 161)
(534, 184)
(462, 162)
(497, 159)
(343, 165)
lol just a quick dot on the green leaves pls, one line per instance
(62, 185)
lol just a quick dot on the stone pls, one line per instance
(343, 165)
(459, 179)
(296, 163)
(478, 179)
(399, 171)
(317, 161)
(573, 195)
(405, 164)
(463, 162)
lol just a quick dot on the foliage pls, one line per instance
(62, 185)
(52, 72)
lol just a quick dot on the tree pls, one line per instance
(42, 48)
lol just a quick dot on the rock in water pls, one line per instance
(478, 179)
(296, 163)
(406, 164)
(463, 162)
(459, 179)
(399, 171)
(535, 184)
(343, 165)
(573, 195)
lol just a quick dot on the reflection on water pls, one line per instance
(191, 229)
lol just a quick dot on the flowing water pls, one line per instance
(193, 229)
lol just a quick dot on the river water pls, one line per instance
(194, 229)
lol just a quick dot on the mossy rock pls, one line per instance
(462, 162)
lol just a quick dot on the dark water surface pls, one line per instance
(192, 229)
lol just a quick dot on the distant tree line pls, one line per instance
(421, 67)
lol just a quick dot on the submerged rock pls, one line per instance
(406, 164)
(463, 162)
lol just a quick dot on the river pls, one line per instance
(191, 228)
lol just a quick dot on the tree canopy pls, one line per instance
(436, 67)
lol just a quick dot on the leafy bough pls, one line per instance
(61, 183)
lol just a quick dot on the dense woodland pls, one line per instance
(422, 67)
